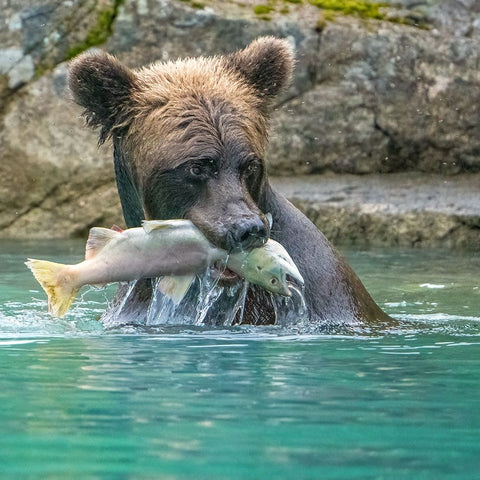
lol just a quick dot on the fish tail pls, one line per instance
(59, 290)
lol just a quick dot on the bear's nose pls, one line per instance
(246, 234)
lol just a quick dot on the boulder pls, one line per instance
(385, 99)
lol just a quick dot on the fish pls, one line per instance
(173, 249)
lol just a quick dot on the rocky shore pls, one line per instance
(377, 140)
(398, 209)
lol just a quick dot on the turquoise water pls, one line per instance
(81, 401)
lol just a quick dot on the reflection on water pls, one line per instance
(221, 405)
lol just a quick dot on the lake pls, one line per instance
(83, 401)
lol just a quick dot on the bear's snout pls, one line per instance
(246, 234)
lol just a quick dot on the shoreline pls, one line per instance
(408, 209)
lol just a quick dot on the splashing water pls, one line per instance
(232, 298)
(131, 286)
(206, 303)
(290, 311)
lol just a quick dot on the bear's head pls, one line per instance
(190, 135)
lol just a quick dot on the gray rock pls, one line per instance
(54, 181)
(44, 33)
(401, 209)
(18, 68)
(384, 100)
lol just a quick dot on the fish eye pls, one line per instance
(273, 281)
(259, 268)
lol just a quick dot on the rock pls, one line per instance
(401, 209)
(38, 35)
(16, 66)
(54, 180)
(319, 126)
(384, 100)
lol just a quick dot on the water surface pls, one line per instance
(82, 401)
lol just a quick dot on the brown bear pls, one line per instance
(189, 142)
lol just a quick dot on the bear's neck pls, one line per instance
(333, 292)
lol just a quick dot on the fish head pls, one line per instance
(272, 268)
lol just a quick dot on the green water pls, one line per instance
(80, 401)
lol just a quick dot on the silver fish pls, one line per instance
(173, 249)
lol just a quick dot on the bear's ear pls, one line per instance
(267, 64)
(103, 86)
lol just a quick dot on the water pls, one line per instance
(179, 402)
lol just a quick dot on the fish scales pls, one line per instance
(133, 254)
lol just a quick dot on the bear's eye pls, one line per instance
(202, 169)
(252, 168)
(196, 171)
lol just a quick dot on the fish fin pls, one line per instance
(175, 287)
(60, 293)
(149, 225)
(97, 239)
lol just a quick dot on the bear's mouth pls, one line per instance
(223, 274)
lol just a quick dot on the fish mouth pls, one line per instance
(294, 280)
(223, 274)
